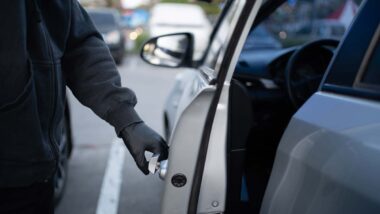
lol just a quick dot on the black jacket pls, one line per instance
(44, 46)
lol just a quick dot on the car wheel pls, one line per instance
(119, 60)
(60, 177)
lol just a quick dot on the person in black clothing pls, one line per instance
(46, 45)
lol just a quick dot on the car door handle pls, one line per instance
(156, 166)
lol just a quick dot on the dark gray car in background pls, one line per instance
(108, 23)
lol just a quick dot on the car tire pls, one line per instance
(119, 60)
(60, 177)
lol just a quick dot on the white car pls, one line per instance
(296, 131)
(169, 18)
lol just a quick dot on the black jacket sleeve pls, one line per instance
(92, 75)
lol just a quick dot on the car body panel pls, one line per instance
(193, 111)
(187, 84)
(213, 190)
(261, 39)
(327, 161)
(173, 99)
(214, 182)
(184, 147)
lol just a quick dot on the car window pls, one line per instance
(353, 70)
(297, 22)
(219, 42)
(369, 76)
(103, 20)
(372, 75)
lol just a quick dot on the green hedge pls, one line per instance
(140, 41)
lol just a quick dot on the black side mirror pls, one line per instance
(172, 50)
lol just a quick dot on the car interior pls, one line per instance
(267, 88)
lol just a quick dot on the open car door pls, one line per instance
(195, 175)
(328, 158)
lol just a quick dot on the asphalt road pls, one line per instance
(93, 138)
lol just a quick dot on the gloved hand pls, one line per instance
(138, 138)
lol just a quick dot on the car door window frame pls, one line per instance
(224, 67)
(215, 29)
(209, 71)
(368, 58)
(348, 60)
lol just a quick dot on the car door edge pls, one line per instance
(227, 67)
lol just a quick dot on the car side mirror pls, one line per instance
(172, 50)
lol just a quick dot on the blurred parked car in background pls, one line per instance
(108, 23)
(169, 18)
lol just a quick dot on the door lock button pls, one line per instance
(179, 180)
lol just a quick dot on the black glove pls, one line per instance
(138, 138)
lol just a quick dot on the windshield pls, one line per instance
(261, 38)
(300, 21)
(103, 20)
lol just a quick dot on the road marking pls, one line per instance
(108, 201)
